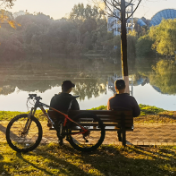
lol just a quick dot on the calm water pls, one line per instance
(94, 82)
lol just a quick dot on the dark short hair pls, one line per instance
(120, 84)
(66, 85)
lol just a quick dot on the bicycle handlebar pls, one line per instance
(31, 96)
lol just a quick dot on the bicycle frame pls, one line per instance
(41, 106)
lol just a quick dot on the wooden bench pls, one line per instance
(113, 120)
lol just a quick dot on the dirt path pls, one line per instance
(143, 134)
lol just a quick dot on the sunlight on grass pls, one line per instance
(107, 160)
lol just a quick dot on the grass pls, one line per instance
(8, 115)
(149, 114)
(108, 160)
(145, 109)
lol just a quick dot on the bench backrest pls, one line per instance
(111, 119)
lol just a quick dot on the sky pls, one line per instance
(58, 9)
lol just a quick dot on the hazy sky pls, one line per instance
(58, 8)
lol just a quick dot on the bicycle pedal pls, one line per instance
(52, 128)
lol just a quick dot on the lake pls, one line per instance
(150, 83)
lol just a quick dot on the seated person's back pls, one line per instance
(62, 101)
(123, 101)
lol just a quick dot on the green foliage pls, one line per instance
(160, 38)
(164, 37)
(144, 46)
(131, 40)
(84, 30)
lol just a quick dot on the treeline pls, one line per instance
(84, 31)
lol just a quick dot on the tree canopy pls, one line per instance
(164, 37)
(160, 39)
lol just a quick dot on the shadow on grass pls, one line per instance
(62, 165)
(2, 164)
(117, 160)
(30, 163)
(108, 160)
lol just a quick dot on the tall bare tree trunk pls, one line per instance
(124, 46)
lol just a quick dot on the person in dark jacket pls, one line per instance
(123, 101)
(62, 100)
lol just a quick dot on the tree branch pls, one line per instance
(110, 15)
(115, 5)
(118, 3)
(134, 10)
(129, 4)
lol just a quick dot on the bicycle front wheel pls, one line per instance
(92, 139)
(20, 139)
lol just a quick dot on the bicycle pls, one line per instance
(18, 137)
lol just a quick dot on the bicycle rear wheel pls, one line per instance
(92, 139)
(21, 140)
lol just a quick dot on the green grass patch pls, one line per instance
(147, 110)
(108, 160)
(8, 115)
(102, 107)
(149, 114)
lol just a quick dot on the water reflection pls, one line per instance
(94, 77)
(163, 77)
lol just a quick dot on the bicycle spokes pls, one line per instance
(23, 136)
(90, 138)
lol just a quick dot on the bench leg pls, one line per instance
(119, 134)
(124, 137)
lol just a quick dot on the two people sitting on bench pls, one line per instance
(123, 101)
(62, 100)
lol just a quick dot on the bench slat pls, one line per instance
(100, 112)
(108, 124)
(107, 129)
(108, 120)
(96, 112)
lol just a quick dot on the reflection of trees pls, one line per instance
(143, 66)
(84, 87)
(5, 90)
(27, 85)
(164, 77)
(89, 75)
(89, 87)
